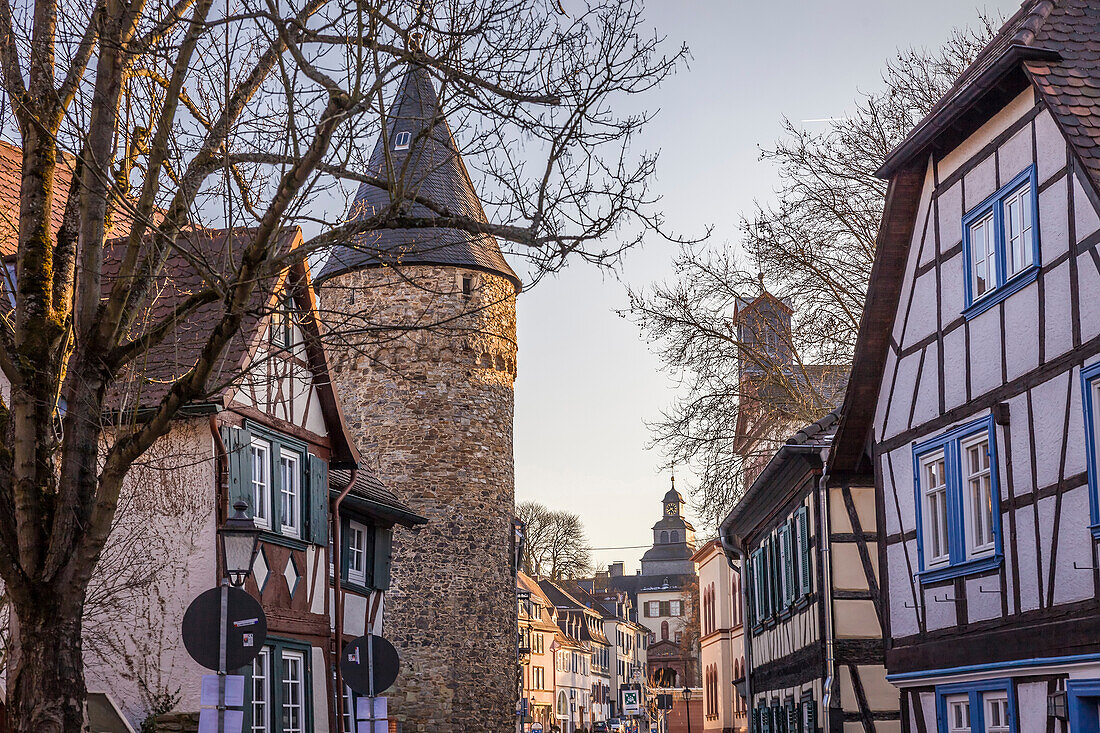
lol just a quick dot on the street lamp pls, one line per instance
(240, 540)
(686, 693)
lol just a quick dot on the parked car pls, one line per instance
(614, 725)
(599, 727)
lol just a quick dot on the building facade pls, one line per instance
(435, 407)
(814, 644)
(721, 640)
(973, 394)
(539, 637)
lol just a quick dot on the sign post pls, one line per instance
(237, 622)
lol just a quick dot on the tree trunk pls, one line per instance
(46, 690)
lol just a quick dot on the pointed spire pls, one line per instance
(417, 152)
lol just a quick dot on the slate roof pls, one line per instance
(431, 169)
(371, 495)
(766, 491)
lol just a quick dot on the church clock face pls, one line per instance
(670, 509)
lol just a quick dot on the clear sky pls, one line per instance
(587, 381)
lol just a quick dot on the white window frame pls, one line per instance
(402, 140)
(290, 497)
(1020, 245)
(357, 575)
(971, 517)
(292, 660)
(259, 453)
(675, 608)
(261, 710)
(954, 704)
(988, 229)
(928, 496)
(996, 701)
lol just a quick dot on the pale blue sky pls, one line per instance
(587, 382)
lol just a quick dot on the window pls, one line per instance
(467, 286)
(276, 477)
(1000, 244)
(1090, 401)
(261, 482)
(976, 707)
(664, 537)
(282, 320)
(673, 537)
(664, 631)
(357, 553)
(780, 570)
(293, 679)
(679, 636)
(261, 691)
(933, 470)
(401, 140)
(996, 713)
(958, 517)
(278, 690)
(538, 678)
(290, 493)
(676, 608)
(537, 644)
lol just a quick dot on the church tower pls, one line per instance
(673, 540)
(433, 406)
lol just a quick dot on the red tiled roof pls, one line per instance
(11, 163)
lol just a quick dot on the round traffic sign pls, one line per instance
(246, 628)
(356, 664)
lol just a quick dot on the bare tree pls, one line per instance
(141, 125)
(555, 545)
(747, 385)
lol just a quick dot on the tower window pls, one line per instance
(401, 141)
(467, 285)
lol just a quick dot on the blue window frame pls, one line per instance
(958, 502)
(1090, 402)
(1001, 243)
(976, 707)
(1083, 697)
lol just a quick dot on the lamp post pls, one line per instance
(239, 539)
(686, 694)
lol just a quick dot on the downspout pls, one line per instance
(338, 599)
(827, 599)
(221, 490)
(730, 551)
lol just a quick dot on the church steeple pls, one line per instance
(673, 539)
(673, 502)
(418, 155)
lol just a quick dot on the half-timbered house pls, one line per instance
(972, 401)
(813, 648)
(270, 433)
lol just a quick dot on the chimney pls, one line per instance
(615, 569)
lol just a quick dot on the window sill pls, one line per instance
(1016, 284)
(276, 538)
(970, 567)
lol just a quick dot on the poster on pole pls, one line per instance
(632, 702)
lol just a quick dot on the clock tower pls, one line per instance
(673, 539)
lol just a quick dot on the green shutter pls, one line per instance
(788, 565)
(811, 715)
(805, 564)
(238, 444)
(792, 717)
(383, 540)
(318, 501)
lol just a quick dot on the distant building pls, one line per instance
(539, 636)
(721, 641)
(629, 642)
(662, 592)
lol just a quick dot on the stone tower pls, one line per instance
(434, 408)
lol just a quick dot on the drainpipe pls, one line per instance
(827, 597)
(221, 490)
(731, 550)
(337, 593)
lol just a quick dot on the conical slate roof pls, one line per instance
(428, 167)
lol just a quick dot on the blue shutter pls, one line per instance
(383, 547)
(238, 446)
(318, 501)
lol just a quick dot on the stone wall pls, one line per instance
(431, 409)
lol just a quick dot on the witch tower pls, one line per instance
(428, 389)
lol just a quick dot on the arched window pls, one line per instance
(664, 537)
(675, 536)
(664, 631)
